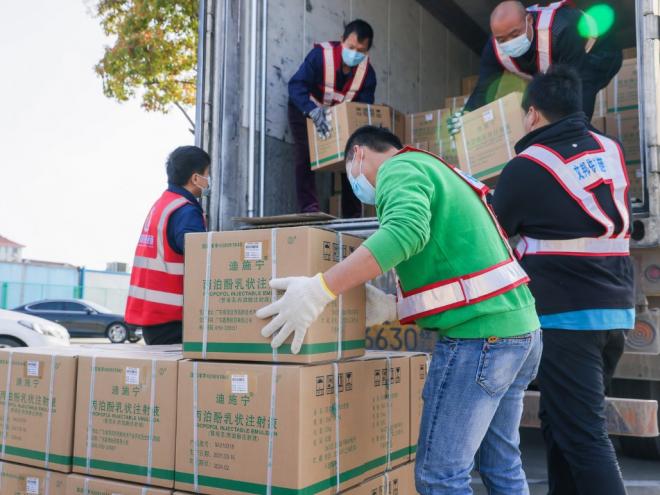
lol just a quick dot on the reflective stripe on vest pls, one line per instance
(466, 289)
(155, 296)
(158, 265)
(584, 246)
(578, 176)
(332, 95)
(461, 291)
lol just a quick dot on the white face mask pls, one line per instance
(517, 46)
(361, 186)
(206, 191)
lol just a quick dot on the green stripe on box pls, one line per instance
(489, 171)
(265, 348)
(622, 109)
(318, 163)
(120, 467)
(257, 488)
(38, 455)
(413, 449)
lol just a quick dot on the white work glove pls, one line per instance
(381, 307)
(302, 303)
(321, 118)
(455, 122)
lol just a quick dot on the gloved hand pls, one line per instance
(321, 120)
(455, 122)
(381, 307)
(302, 303)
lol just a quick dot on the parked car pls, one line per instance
(21, 330)
(84, 319)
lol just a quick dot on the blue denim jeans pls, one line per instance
(473, 402)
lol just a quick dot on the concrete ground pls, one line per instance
(641, 477)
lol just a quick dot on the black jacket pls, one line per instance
(529, 201)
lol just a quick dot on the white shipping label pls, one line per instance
(488, 116)
(428, 117)
(253, 251)
(239, 384)
(32, 368)
(31, 485)
(132, 376)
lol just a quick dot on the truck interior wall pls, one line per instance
(418, 63)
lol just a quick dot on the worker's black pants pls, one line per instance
(306, 178)
(576, 369)
(599, 70)
(164, 334)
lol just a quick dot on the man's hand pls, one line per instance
(302, 303)
(322, 122)
(455, 122)
(381, 307)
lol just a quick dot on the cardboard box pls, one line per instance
(398, 126)
(83, 485)
(622, 90)
(630, 52)
(427, 126)
(241, 263)
(246, 410)
(600, 105)
(37, 402)
(335, 205)
(337, 182)
(419, 365)
(126, 416)
(456, 103)
(16, 479)
(487, 140)
(624, 126)
(328, 154)
(469, 83)
(399, 481)
(600, 124)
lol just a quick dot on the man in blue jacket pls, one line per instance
(566, 195)
(333, 72)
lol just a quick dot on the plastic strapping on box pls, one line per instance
(335, 367)
(467, 152)
(616, 93)
(144, 491)
(90, 417)
(368, 114)
(205, 331)
(49, 422)
(339, 149)
(152, 403)
(273, 271)
(389, 376)
(316, 148)
(412, 128)
(271, 430)
(86, 486)
(505, 130)
(386, 483)
(5, 418)
(2, 472)
(618, 127)
(47, 487)
(195, 405)
(340, 302)
(601, 103)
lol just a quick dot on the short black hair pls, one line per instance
(375, 138)
(185, 161)
(556, 94)
(362, 30)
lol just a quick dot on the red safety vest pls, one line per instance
(155, 295)
(578, 176)
(463, 290)
(544, 21)
(331, 62)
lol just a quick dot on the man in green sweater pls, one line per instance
(457, 275)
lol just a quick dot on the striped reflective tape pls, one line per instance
(155, 296)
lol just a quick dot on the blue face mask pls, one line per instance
(352, 57)
(517, 47)
(361, 186)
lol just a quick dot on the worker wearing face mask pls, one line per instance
(333, 72)
(458, 276)
(528, 41)
(155, 295)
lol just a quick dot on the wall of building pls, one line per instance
(107, 288)
(21, 283)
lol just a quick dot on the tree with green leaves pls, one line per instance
(154, 54)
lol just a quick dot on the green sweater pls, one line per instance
(433, 227)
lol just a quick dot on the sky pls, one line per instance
(78, 171)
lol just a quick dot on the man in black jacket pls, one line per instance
(527, 41)
(566, 195)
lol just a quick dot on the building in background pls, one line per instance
(23, 280)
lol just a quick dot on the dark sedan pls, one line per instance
(83, 319)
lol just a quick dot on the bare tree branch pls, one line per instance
(185, 114)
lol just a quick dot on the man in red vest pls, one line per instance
(333, 72)
(155, 296)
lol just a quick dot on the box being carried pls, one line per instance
(346, 118)
(298, 429)
(126, 416)
(487, 139)
(37, 404)
(16, 479)
(84, 485)
(227, 281)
